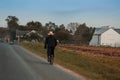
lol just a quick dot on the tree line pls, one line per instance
(73, 33)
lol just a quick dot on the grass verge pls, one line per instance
(93, 67)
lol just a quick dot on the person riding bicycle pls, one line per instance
(50, 44)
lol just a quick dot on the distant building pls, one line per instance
(4, 34)
(21, 33)
(106, 36)
(28, 35)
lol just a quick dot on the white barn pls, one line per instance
(106, 37)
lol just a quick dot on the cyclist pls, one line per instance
(50, 44)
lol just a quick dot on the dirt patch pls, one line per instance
(106, 51)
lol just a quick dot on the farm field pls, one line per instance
(106, 51)
(94, 63)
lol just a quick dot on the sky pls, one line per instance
(95, 13)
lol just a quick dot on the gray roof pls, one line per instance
(117, 30)
(20, 32)
(99, 31)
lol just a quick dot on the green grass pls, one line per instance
(93, 67)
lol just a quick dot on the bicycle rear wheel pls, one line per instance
(51, 60)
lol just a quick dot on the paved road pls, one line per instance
(17, 63)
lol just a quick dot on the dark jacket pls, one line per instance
(50, 41)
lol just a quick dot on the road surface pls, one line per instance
(16, 63)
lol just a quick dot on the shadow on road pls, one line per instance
(37, 62)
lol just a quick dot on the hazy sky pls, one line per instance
(94, 13)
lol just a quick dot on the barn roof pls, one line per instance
(103, 29)
(117, 30)
(100, 30)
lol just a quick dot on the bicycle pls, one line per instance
(51, 59)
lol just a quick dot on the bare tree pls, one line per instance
(72, 27)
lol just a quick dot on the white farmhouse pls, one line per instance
(106, 37)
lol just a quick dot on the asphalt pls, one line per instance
(16, 63)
